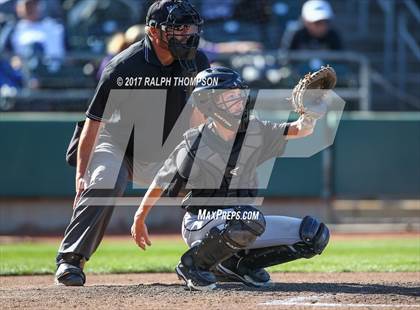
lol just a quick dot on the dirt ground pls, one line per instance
(165, 291)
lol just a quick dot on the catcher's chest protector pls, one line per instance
(215, 172)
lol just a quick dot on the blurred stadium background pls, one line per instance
(369, 180)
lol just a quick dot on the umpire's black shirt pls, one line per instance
(140, 60)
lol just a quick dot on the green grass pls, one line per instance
(123, 256)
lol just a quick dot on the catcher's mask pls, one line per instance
(223, 95)
(181, 23)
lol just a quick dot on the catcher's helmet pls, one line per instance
(208, 97)
(182, 24)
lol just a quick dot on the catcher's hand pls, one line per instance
(309, 102)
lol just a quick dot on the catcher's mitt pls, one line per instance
(310, 102)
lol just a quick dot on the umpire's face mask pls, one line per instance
(182, 40)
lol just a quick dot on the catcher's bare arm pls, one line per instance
(139, 229)
(301, 128)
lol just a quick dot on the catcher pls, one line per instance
(228, 238)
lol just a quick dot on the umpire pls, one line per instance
(169, 50)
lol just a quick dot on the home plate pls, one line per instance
(314, 301)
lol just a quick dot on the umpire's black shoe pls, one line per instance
(196, 279)
(69, 270)
(69, 275)
(232, 270)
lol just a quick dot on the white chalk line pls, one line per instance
(312, 301)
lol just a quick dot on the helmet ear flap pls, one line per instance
(202, 101)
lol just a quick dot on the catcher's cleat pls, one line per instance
(196, 279)
(69, 275)
(231, 270)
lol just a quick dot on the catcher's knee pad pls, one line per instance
(242, 232)
(314, 234)
(220, 244)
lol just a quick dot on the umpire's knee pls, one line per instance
(109, 179)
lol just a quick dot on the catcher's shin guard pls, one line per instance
(218, 244)
(196, 263)
(314, 235)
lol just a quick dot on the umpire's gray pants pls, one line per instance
(106, 177)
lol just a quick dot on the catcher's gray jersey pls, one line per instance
(209, 166)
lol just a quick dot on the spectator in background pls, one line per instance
(51, 8)
(9, 76)
(135, 33)
(314, 31)
(7, 7)
(90, 22)
(216, 10)
(116, 44)
(10, 81)
(35, 35)
(213, 50)
(119, 42)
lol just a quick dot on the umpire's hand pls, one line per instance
(80, 187)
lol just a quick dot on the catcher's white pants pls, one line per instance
(280, 230)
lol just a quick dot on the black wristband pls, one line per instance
(286, 130)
